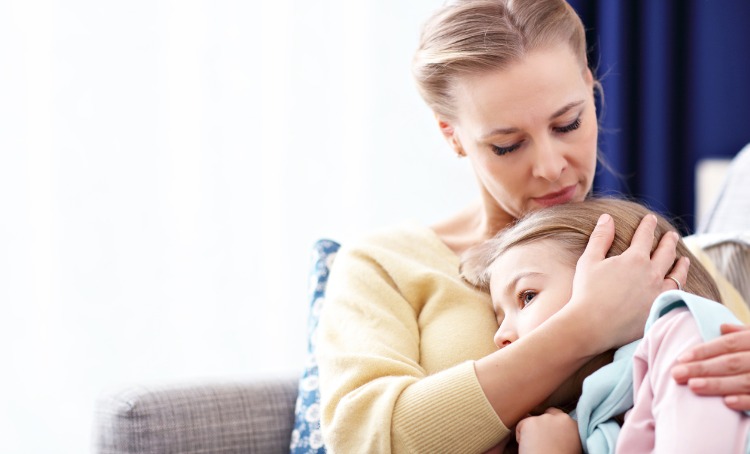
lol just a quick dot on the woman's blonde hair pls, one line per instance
(570, 225)
(472, 36)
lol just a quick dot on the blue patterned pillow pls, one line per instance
(306, 436)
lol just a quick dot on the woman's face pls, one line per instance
(530, 131)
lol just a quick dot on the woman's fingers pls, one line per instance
(679, 272)
(721, 386)
(663, 257)
(599, 242)
(736, 338)
(666, 252)
(727, 328)
(726, 365)
(720, 367)
(643, 238)
(739, 403)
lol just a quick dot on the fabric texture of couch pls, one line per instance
(252, 416)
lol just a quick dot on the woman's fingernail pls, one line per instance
(603, 219)
(697, 383)
(685, 357)
(731, 400)
(679, 372)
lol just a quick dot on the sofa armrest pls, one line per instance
(730, 253)
(248, 416)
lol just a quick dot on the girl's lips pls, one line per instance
(556, 198)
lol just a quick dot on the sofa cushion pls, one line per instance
(730, 211)
(730, 253)
(306, 434)
(724, 233)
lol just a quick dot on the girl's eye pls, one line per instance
(570, 127)
(526, 297)
(500, 151)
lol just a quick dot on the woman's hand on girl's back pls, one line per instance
(614, 295)
(720, 367)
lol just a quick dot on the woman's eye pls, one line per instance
(500, 151)
(569, 127)
(527, 297)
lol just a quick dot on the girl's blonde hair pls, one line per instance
(473, 36)
(570, 225)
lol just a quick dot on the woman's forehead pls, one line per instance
(535, 87)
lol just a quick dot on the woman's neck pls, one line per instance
(469, 227)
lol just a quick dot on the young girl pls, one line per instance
(529, 270)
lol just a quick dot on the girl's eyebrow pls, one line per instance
(560, 112)
(511, 285)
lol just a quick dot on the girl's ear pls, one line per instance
(449, 132)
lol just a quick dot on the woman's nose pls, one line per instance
(550, 161)
(505, 335)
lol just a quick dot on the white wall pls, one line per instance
(165, 167)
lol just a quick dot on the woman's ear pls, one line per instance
(588, 76)
(449, 132)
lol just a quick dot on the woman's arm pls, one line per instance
(720, 367)
(398, 332)
(609, 306)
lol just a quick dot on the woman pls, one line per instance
(399, 369)
(526, 291)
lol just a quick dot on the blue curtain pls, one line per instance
(676, 78)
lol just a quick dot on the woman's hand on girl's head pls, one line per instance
(614, 295)
(720, 367)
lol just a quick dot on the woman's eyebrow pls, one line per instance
(499, 131)
(566, 108)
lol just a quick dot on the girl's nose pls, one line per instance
(505, 335)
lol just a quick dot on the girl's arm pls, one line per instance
(720, 367)
(609, 306)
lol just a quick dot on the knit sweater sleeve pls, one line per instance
(383, 320)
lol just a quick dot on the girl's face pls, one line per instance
(527, 290)
(528, 284)
(530, 132)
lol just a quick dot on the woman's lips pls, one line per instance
(556, 198)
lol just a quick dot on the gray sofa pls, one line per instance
(257, 415)
(253, 416)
